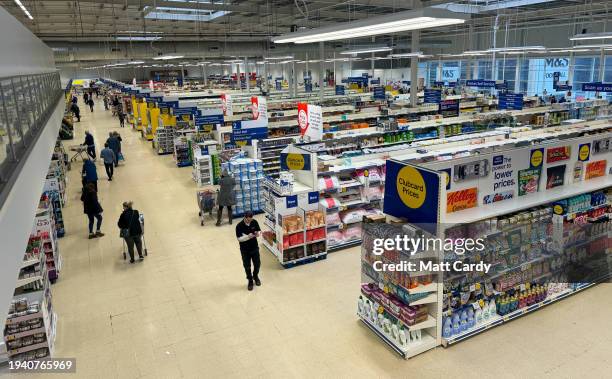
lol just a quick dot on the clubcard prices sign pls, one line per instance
(227, 104)
(310, 121)
(259, 107)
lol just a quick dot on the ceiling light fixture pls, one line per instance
(416, 54)
(587, 36)
(24, 9)
(138, 38)
(600, 46)
(136, 62)
(168, 57)
(515, 48)
(392, 23)
(366, 50)
(279, 58)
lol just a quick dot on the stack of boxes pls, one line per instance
(249, 177)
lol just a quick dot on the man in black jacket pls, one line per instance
(131, 231)
(91, 147)
(247, 232)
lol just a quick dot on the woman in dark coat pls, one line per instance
(131, 231)
(226, 197)
(90, 173)
(93, 209)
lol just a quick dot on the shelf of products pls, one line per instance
(44, 231)
(269, 150)
(164, 140)
(182, 151)
(249, 176)
(202, 171)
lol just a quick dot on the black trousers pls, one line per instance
(91, 222)
(130, 242)
(220, 213)
(91, 151)
(109, 169)
(247, 258)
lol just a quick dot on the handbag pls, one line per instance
(125, 232)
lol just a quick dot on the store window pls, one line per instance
(485, 70)
(506, 70)
(586, 70)
(451, 71)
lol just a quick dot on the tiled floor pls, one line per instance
(185, 310)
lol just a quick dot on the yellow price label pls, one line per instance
(536, 158)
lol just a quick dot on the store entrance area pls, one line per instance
(185, 310)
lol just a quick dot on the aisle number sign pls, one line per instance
(584, 152)
(413, 193)
(536, 158)
(310, 121)
(295, 161)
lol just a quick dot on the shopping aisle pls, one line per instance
(185, 310)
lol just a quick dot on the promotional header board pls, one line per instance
(310, 121)
(597, 87)
(227, 104)
(209, 122)
(295, 161)
(379, 93)
(259, 108)
(510, 100)
(432, 96)
(412, 192)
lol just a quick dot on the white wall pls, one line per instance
(23, 54)
(22, 51)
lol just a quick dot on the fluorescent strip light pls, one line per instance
(515, 48)
(587, 36)
(138, 38)
(601, 46)
(416, 54)
(392, 23)
(366, 50)
(136, 62)
(138, 32)
(168, 57)
(279, 58)
(24, 9)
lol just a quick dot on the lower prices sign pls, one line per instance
(503, 180)
(462, 199)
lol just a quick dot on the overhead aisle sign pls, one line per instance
(310, 121)
(243, 132)
(480, 83)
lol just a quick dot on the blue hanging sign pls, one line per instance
(379, 93)
(375, 81)
(438, 84)
(432, 96)
(243, 132)
(278, 85)
(182, 111)
(339, 89)
(450, 107)
(597, 87)
(480, 83)
(510, 100)
(307, 85)
(501, 86)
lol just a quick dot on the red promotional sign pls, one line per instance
(556, 154)
(462, 199)
(595, 169)
(255, 107)
(303, 117)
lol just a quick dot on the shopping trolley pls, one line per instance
(207, 199)
(78, 152)
(144, 241)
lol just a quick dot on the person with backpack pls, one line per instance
(131, 230)
(93, 209)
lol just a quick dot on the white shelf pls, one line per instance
(431, 298)
(23, 282)
(528, 201)
(427, 342)
(25, 264)
(431, 287)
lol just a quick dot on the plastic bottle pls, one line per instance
(470, 318)
(464, 321)
(447, 330)
(403, 339)
(492, 308)
(456, 324)
(478, 316)
(360, 307)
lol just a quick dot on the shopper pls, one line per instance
(76, 111)
(91, 146)
(121, 118)
(89, 173)
(108, 156)
(91, 103)
(93, 209)
(105, 103)
(85, 97)
(114, 144)
(226, 197)
(247, 232)
(130, 230)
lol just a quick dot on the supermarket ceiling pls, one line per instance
(260, 20)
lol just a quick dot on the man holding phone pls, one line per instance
(247, 232)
